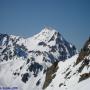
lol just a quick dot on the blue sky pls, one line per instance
(27, 17)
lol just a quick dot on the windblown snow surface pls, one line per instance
(61, 82)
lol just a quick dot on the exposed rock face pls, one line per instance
(85, 51)
(50, 74)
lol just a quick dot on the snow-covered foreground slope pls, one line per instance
(67, 77)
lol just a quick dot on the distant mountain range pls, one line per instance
(45, 61)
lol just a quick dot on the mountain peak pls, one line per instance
(48, 29)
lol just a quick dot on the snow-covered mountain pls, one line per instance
(31, 63)
(48, 42)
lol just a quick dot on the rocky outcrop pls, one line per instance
(50, 74)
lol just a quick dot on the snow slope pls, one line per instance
(67, 76)
(74, 73)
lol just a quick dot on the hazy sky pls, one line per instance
(27, 17)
